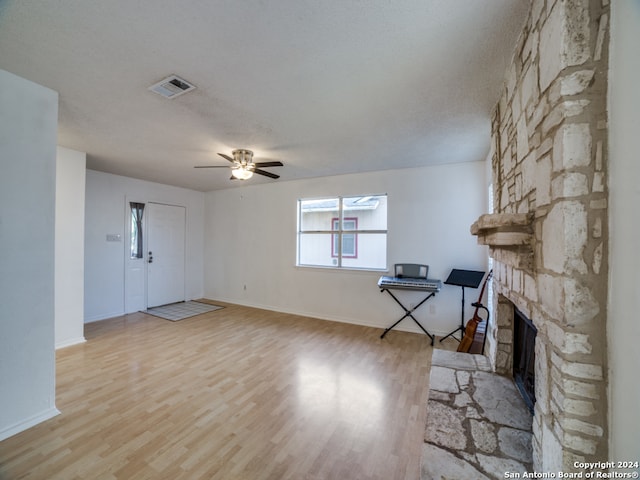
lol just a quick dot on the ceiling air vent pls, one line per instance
(172, 87)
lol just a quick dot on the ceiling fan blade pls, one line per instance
(227, 157)
(211, 166)
(269, 164)
(265, 173)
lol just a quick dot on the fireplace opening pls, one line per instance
(524, 341)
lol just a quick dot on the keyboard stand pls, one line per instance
(408, 313)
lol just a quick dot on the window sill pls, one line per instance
(344, 269)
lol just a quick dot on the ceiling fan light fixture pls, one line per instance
(241, 173)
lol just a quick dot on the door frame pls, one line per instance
(130, 284)
(130, 304)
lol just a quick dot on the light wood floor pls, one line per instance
(238, 393)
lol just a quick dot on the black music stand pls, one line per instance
(463, 278)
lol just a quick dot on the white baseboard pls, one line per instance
(69, 342)
(28, 423)
(406, 326)
(97, 318)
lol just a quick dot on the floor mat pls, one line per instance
(181, 310)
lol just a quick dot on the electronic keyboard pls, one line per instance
(409, 283)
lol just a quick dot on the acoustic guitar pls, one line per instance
(472, 325)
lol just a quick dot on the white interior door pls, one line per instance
(165, 254)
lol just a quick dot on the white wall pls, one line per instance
(28, 129)
(106, 212)
(69, 262)
(624, 235)
(251, 241)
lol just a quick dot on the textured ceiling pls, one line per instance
(327, 87)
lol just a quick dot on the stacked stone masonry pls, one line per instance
(477, 425)
(549, 160)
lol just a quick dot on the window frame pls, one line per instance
(341, 234)
(136, 245)
(358, 231)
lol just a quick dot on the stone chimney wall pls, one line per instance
(549, 164)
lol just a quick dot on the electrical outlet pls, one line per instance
(245, 287)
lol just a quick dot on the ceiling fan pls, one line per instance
(243, 167)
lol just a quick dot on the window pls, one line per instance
(349, 240)
(343, 232)
(137, 210)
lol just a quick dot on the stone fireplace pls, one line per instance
(548, 235)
